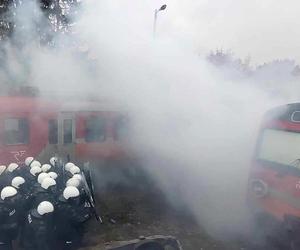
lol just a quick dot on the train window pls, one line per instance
(16, 131)
(68, 131)
(95, 129)
(52, 131)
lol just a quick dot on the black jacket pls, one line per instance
(40, 194)
(71, 214)
(9, 216)
(39, 231)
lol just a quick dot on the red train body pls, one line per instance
(274, 183)
(83, 130)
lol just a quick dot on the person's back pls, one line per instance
(70, 217)
(9, 216)
(39, 228)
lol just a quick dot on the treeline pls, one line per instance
(226, 60)
(47, 17)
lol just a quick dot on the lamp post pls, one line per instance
(163, 7)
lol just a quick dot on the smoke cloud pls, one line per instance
(194, 128)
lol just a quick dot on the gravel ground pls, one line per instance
(132, 212)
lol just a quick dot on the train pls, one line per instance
(274, 182)
(78, 129)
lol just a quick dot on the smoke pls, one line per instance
(194, 130)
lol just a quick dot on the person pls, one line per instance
(73, 182)
(2, 176)
(10, 173)
(20, 184)
(9, 217)
(23, 202)
(45, 191)
(53, 161)
(28, 161)
(42, 176)
(39, 228)
(31, 178)
(46, 168)
(71, 217)
(25, 167)
(53, 175)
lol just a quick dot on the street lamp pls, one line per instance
(163, 7)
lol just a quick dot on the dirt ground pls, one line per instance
(132, 212)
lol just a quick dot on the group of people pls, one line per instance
(42, 206)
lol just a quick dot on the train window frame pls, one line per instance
(52, 131)
(26, 139)
(99, 138)
(69, 134)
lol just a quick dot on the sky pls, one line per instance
(265, 30)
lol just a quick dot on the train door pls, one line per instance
(61, 137)
(66, 135)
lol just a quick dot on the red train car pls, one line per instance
(274, 183)
(82, 130)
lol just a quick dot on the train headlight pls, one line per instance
(259, 188)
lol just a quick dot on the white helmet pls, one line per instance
(46, 168)
(73, 182)
(35, 164)
(28, 161)
(48, 182)
(75, 170)
(12, 167)
(70, 192)
(45, 207)
(35, 170)
(8, 192)
(2, 169)
(69, 165)
(53, 160)
(53, 175)
(17, 181)
(77, 176)
(41, 177)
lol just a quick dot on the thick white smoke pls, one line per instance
(195, 130)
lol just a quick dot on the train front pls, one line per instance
(274, 183)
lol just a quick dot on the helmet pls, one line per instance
(17, 181)
(12, 167)
(69, 165)
(45, 207)
(73, 182)
(7, 192)
(48, 182)
(53, 160)
(75, 170)
(35, 170)
(46, 168)
(2, 169)
(42, 177)
(28, 161)
(77, 176)
(35, 164)
(53, 175)
(70, 192)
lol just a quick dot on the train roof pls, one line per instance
(11, 104)
(25, 104)
(288, 112)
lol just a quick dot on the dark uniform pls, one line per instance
(7, 178)
(2, 181)
(9, 216)
(40, 194)
(39, 231)
(70, 216)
